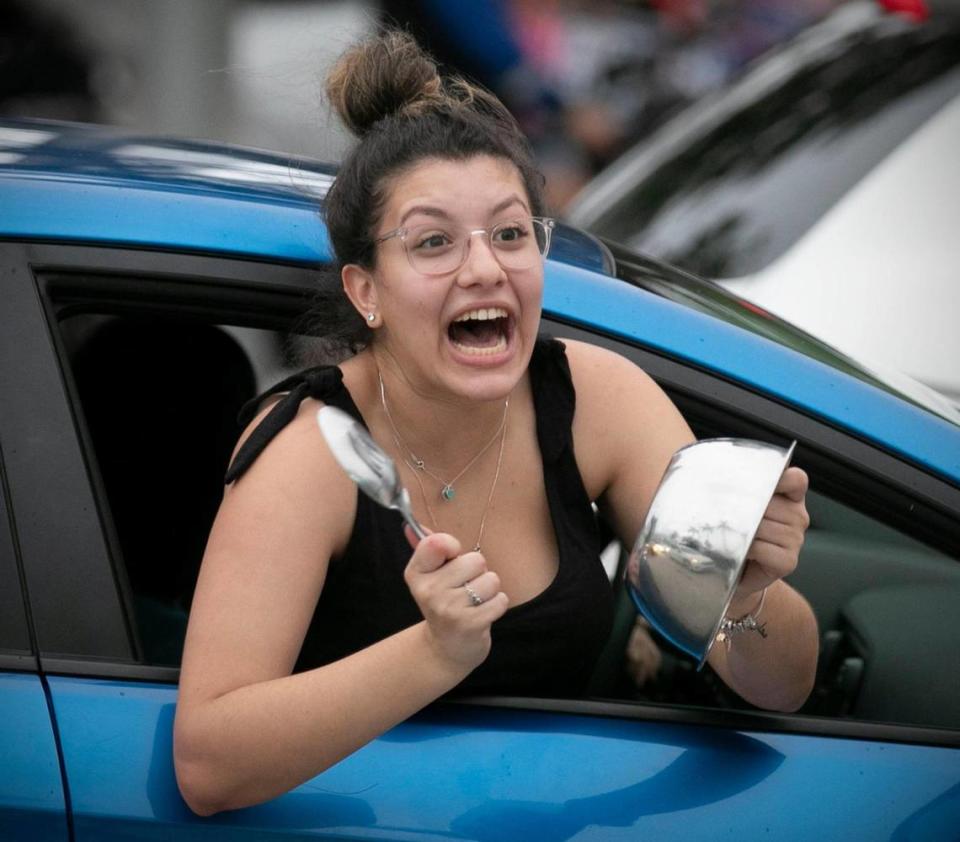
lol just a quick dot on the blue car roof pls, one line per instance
(86, 184)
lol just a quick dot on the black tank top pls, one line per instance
(547, 646)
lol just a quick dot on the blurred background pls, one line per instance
(586, 79)
(802, 154)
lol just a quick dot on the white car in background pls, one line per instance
(824, 186)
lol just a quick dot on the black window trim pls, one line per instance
(14, 587)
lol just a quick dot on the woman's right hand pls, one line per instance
(437, 574)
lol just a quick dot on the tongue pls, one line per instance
(478, 333)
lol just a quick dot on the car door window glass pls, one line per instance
(160, 398)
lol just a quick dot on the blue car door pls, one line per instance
(488, 772)
(32, 803)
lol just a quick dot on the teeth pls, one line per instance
(483, 315)
(483, 352)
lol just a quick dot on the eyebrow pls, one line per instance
(430, 210)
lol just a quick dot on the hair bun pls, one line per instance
(381, 76)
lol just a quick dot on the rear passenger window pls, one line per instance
(159, 399)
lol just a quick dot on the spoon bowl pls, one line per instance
(365, 462)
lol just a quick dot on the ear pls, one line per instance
(360, 288)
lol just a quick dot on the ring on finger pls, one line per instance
(475, 598)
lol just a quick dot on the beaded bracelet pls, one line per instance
(748, 622)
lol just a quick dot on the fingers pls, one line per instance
(458, 597)
(484, 587)
(775, 550)
(789, 536)
(782, 509)
(489, 611)
(776, 561)
(411, 536)
(787, 508)
(432, 552)
(793, 484)
(450, 586)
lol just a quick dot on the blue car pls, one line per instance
(149, 287)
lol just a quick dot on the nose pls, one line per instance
(481, 265)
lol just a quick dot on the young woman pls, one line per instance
(318, 622)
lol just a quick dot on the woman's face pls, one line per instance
(469, 332)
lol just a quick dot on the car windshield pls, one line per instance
(708, 297)
(771, 157)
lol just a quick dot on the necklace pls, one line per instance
(418, 467)
(486, 509)
(447, 490)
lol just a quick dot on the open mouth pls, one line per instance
(482, 332)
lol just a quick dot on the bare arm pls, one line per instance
(246, 729)
(630, 430)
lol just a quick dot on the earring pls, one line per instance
(371, 317)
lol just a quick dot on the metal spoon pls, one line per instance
(365, 463)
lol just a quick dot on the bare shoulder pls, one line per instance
(606, 381)
(625, 424)
(595, 367)
(297, 475)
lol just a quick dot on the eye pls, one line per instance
(511, 234)
(431, 240)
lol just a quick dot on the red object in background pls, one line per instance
(914, 9)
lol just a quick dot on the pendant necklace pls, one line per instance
(418, 467)
(447, 489)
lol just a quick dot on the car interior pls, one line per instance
(885, 602)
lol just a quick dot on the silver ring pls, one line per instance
(475, 598)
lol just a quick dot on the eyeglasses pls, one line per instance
(441, 248)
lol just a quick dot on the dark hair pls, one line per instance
(388, 92)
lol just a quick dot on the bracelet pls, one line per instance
(748, 622)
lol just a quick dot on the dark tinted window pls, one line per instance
(162, 445)
(736, 197)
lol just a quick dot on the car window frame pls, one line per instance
(17, 649)
(74, 278)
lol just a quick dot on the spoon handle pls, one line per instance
(407, 512)
(418, 530)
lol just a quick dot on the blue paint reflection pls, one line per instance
(713, 767)
(940, 819)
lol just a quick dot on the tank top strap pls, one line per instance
(553, 396)
(555, 401)
(324, 383)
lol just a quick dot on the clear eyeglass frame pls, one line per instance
(449, 257)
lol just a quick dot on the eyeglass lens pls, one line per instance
(436, 250)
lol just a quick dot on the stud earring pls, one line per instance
(371, 317)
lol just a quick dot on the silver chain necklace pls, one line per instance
(447, 490)
(418, 467)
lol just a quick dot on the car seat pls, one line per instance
(160, 398)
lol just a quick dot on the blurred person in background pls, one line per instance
(587, 80)
(519, 49)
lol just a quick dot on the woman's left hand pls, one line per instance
(776, 548)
